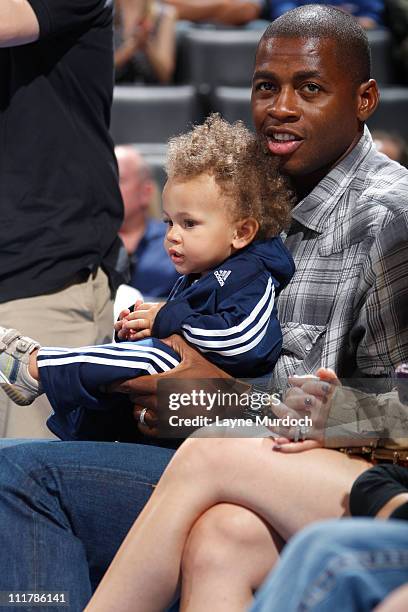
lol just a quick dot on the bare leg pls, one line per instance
(228, 554)
(287, 491)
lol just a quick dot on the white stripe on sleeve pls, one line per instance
(142, 351)
(241, 349)
(236, 328)
(143, 365)
(219, 344)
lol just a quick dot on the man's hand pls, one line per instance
(143, 390)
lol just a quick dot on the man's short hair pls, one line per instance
(321, 21)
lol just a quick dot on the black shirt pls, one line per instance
(60, 205)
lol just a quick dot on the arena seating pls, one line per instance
(233, 103)
(151, 114)
(391, 114)
(383, 67)
(218, 57)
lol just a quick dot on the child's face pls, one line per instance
(200, 232)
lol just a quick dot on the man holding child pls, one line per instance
(344, 308)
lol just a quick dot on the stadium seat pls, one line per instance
(383, 69)
(391, 114)
(233, 103)
(151, 114)
(218, 57)
(152, 149)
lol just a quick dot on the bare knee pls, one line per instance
(200, 459)
(230, 539)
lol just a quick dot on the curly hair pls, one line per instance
(243, 171)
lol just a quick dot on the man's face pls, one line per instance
(131, 187)
(304, 105)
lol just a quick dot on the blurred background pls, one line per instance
(180, 59)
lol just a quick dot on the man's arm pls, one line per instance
(18, 23)
(143, 390)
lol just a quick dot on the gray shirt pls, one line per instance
(347, 305)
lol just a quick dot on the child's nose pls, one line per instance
(173, 235)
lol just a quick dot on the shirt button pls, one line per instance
(308, 347)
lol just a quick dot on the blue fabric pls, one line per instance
(357, 8)
(65, 508)
(74, 381)
(351, 564)
(229, 314)
(152, 270)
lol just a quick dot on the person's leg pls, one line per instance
(103, 303)
(79, 314)
(338, 565)
(75, 381)
(86, 370)
(287, 491)
(229, 552)
(65, 507)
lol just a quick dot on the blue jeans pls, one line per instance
(349, 564)
(65, 508)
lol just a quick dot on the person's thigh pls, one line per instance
(65, 508)
(350, 565)
(288, 491)
(78, 315)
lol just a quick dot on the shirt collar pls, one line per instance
(313, 211)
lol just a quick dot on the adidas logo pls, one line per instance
(221, 276)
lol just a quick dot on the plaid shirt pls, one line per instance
(347, 305)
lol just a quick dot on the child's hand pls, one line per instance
(140, 322)
(118, 326)
(120, 330)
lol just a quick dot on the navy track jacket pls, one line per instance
(229, 314)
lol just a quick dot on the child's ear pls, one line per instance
(245, 232)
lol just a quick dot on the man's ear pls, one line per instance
(368, 99)
(245, 232)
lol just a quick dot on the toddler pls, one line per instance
(225, 205)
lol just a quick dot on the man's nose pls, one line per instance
(283, 106)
